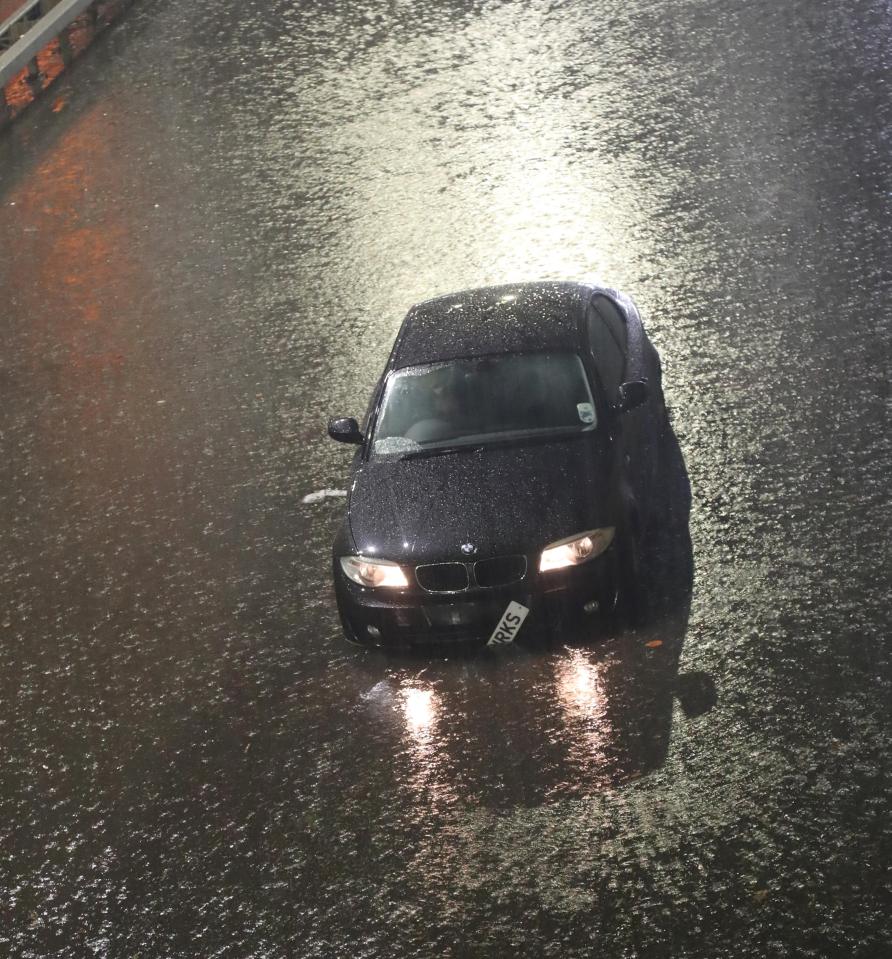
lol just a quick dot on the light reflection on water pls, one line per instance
(420, 708)
(580, 692)
(582, 695)
(578, 687)
(523, 189)
(431, 764)
(582, 720)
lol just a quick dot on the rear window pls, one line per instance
(483, 399)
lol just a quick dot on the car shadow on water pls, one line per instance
(529, 724)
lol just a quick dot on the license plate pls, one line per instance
(509, 625)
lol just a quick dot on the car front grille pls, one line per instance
(457, 577)
(500, 571)
(443, 577)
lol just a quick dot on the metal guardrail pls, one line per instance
(30, 29)
(20, 21)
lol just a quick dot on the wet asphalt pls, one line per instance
(210, 229)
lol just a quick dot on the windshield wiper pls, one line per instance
(441, 451)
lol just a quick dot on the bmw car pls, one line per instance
(505, 471)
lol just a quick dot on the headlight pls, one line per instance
(577, 549)
(373, 572)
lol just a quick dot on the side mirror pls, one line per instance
(630, 395)
(344, 429)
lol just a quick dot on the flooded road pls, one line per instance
(210, 230)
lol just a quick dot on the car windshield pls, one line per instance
(475, 401)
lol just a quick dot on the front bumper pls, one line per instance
(557, 600)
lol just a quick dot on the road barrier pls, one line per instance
(37, 41)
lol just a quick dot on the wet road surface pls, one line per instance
(209, 232)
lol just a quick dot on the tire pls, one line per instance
(609, 604)
(348, 629)
(630, 595)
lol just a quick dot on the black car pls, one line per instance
(505, 468)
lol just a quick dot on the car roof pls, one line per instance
(515, 317)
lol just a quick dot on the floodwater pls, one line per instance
(210, 229)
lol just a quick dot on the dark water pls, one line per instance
(209, 232)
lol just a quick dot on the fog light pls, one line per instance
(373, 631)
(591, 606)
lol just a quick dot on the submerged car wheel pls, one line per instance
(629, 606)
(350, 632)
(350, 635)
(609, 607)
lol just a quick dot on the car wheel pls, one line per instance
(609, 607)
(658, 491)
(629, 607)
(350, 633)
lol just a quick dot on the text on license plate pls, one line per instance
(509, 625)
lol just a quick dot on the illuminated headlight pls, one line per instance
(577, 549)
(373, 572)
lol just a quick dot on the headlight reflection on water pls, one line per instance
(431, 774)
(420, 707)
(580, 688)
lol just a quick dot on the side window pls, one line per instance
(607, 339)
(613, 318)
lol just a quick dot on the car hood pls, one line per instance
(511, 499)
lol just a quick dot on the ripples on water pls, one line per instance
(207, 253)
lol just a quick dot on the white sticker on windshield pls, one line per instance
(586, 412)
